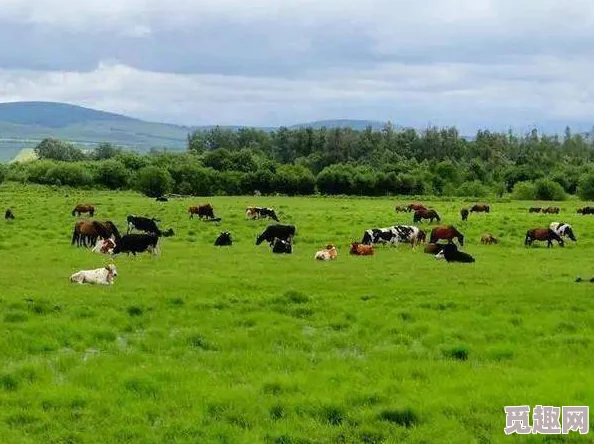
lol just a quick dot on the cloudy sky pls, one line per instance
(474, 64)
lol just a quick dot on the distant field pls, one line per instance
(237, 345)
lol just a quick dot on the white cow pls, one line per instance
(104, 246)
(103, 276)
(328, 254)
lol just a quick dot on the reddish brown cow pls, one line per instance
(551, 210)
(360, 249)
(416, 207)
(203, 211)
(480, 208)
(83, 208)
(447, 232)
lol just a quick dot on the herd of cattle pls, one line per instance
(105, 237)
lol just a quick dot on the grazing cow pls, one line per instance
(551, 210)
(401, 209)
(103, 276)
(204, 211)
(480, 208)
(260, 213)
(416, 207)
(433, 248)
(451, 254)
(8, 215)
(142, 224)
(488, 239)
(534, 210)
(83, 208)
(284, 232)
(542, 234)
(360, 249)
(585, 210)
(328, 254)
(563, 230)
(224, 239)
(448, 232)
(137, 243)
(426, 214)
(464, 214)
(162, 199)
(104, 246)
(281, 246)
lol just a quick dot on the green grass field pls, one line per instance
(237, 345)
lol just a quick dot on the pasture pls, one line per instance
(206, 344)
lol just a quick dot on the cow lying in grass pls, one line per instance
(360, 249)
(104, 246)
(451, 253)
(327, 254)
(224, 239)
(103, 276)
(282, 246)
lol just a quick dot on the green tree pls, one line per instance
(55, 149)
(153, 181)
(112, 174)
(585, 188)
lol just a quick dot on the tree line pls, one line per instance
(305, 161)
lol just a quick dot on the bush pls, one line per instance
(472, 189)
(112, 174)
(153, 181)
(546, 189)
(524, 191)
(585, 188)
(72, 174)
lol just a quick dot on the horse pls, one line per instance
(447, 232)
(563, 230)
(542, 234)
(464, 214)
(86, 232)
(480, 208)
(426, 214)
(83, 208)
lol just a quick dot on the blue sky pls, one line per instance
(480, 64)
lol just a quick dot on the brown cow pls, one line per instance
(534, 210)
(426, 214)
(542, 234)
(488, 239)
(360, 249)
(551, 210)
(203, 211)
(464, 214)
(448, 232)
(480, 208)
(83, 208)
(416, 207)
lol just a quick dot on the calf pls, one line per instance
(433, 248)
(272, 232)
(9, 215)
(260, 213)
(451, 253)
(487, 239)
(224, 239)
(104, 246)
(137, 243)
(327, 254)
(360, 249)
(464, 214)
(102, 276)
(282, 246)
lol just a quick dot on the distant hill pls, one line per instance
(24, 124)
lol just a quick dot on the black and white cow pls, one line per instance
(224, 239)
(563, 230)
(142, 224)
(450, 253)
(137, 243)
(272, 232)
(260, 213)
(281, 246)
(394, 235)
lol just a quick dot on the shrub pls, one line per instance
(472, 189)
(112, 174)
(546, 189)
(153, 181)
(585, 188)
(524, 191)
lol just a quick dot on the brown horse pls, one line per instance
(534, 210)
(542, 234)
(480, 208)
(551, 210)
(464, 214)
(416, 207)
(86, 232)
(83, 208)
(447, 232)
(426, 214)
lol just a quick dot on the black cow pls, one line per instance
(224, 239)
(162, 199)
(142, 224)
(283, 232)
(8, 214)
(137, 243)
(586, 210)
(281, 246)
(450, 253)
